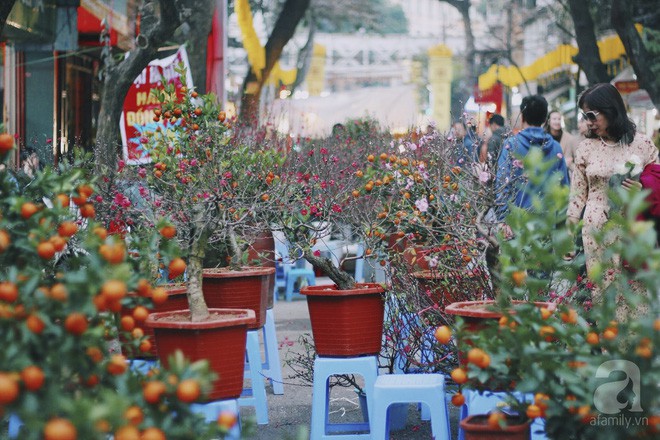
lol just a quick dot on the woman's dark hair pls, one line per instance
(605, 98)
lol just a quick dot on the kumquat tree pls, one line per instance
(62, 280)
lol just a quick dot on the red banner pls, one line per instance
(492, 95)
(139, 104)
(625, 87)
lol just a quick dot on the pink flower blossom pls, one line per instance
(422, 204)
(484, 176)
(142, 172)
(518, 163)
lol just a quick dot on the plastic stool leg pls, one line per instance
(272, 366)
(440, 422)
(212, 411)
(256, 395)
(288, 290)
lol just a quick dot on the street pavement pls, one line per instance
(290, 413)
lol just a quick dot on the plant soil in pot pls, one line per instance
(476, 427)
(346, 322)
(176, 300)
(239, 289)
(220, 339)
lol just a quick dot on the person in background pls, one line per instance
(567, 141)
(510, 172)
(612, 141)
(490, 149)
(466, 137)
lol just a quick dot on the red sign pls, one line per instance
(140, 103)
(625, 87)
(492, 95)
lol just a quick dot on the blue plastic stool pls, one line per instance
(324, 368)
(359, 265)
(293, 275)
(14, 426)
(272, 368)
(142, 365)
(212, 410)
(255, 395)
(401, 388)
(476, 403)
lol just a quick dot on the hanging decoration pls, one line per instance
(256, 53)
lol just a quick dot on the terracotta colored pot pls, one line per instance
(476, 427)
(221, 340)
(261, 252)
(435, 285)
(476, 313)
(247, 288)
(346, 322)
(176, 300)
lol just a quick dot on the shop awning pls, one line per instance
(610, 48)
(91, 13)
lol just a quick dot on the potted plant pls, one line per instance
(59, 374)
(322, 189)
(192, 188)
(570, 362)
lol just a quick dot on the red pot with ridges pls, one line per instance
(476, 427)
(239, 289)
(221, 340)
(346, 323)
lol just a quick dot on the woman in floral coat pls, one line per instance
(613, 146)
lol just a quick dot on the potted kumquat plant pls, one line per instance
(61, 276)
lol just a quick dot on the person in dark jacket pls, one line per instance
(490, 150)
(534, 110)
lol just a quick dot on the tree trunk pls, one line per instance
(198, 308)
(639, 57)
(292, 12)
(339, 277)
(463, 6)
(196, 38)
(156, 29)
(588, 57)
(5, 9)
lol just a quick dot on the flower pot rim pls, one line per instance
(477, 309)
(242, 317)
(223, 272)
(468, 424)
(332, 290)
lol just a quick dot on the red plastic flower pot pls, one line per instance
(247, 288)
(346, 323)
(476, 427)
(220, 339)
(261, 252)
